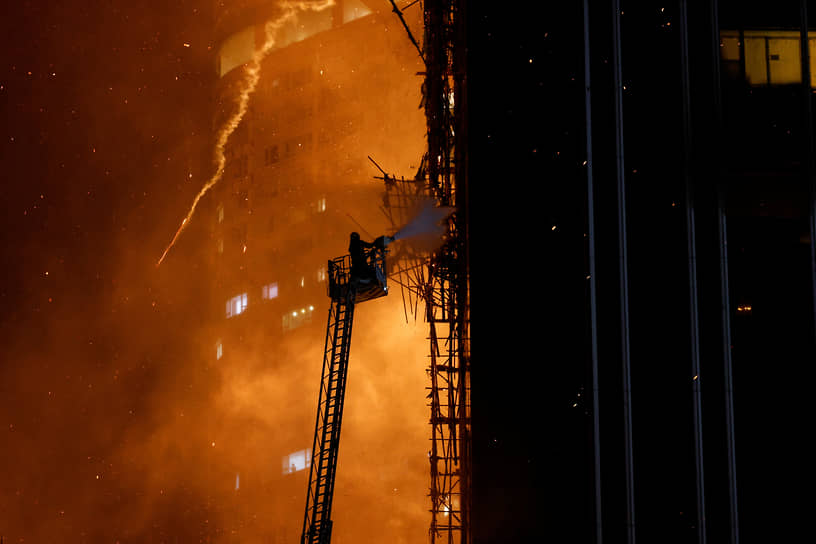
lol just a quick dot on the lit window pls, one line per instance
(269, 291)
(296, 461)
(296, 318)
(236, 305)
(219, 350)
(220, 213)
(354, 9)
(319, 206)
(321, 274)
(236, 50)
(768, 57)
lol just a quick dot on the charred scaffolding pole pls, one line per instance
(446, 289)
(442, 279)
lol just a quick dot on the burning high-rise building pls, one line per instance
(335, 84)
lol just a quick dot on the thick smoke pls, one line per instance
(117, 422)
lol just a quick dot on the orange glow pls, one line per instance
(307, 183)
(151, 409)
(251, 76)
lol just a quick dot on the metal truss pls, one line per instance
(446, 291)
(441, 279)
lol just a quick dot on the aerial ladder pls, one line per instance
(349, 284)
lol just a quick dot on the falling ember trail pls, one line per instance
(252, 75)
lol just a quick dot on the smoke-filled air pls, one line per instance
(176, 403)
(252, 71)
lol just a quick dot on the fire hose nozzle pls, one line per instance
(383, 241)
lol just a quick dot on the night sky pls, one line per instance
(105, 110)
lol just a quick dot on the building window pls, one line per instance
(236, 305)
(219, 350)
(319, 206)
(269, 291)
(297, 461)
(236, 50)
(239, 166)
(769, 57)
(354, 10)
(296, 318)
(271, 155)
(239, 235)
(321, 274)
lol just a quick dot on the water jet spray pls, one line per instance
(427, 225)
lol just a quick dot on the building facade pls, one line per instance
(664, 162)
(339, 85)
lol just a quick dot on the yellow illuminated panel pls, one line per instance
(240, 47)
(771, 57)
(756, 65)
(236, 50)
(785, 66)
(730, 48)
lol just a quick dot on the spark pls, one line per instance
(251, 77)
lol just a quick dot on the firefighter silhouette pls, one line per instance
(359, 250)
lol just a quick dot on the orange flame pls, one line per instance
(252, 75)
